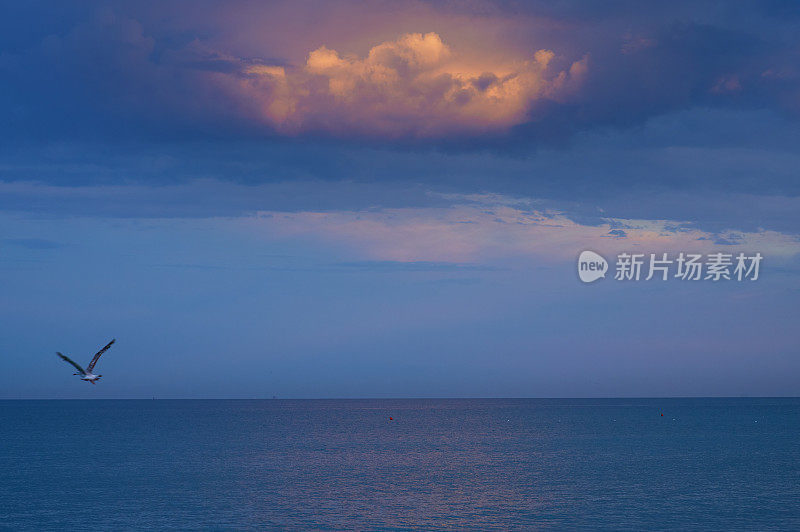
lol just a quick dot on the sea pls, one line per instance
(410, 464)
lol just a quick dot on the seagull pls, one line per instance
(87, 375)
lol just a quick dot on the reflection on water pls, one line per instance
(438, 464)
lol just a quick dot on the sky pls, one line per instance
(388, 199)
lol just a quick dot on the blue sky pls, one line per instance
(348, 200)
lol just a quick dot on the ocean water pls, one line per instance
(717, 464)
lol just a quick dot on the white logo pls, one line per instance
(664, 266)
(591, 266)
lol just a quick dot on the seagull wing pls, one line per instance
(67, 359)
(90, 367)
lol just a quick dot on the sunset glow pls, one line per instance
(414, 86)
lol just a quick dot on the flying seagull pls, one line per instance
(87, 375)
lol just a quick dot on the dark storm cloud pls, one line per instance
(108, 69)
(685, 111)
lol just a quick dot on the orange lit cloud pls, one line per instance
(413, 86)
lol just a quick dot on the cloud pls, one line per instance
(499, 76)
(474, 232)
(413, 86)
(712, 214)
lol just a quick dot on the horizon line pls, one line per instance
(395, 398)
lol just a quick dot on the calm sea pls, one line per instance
(436, 465)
